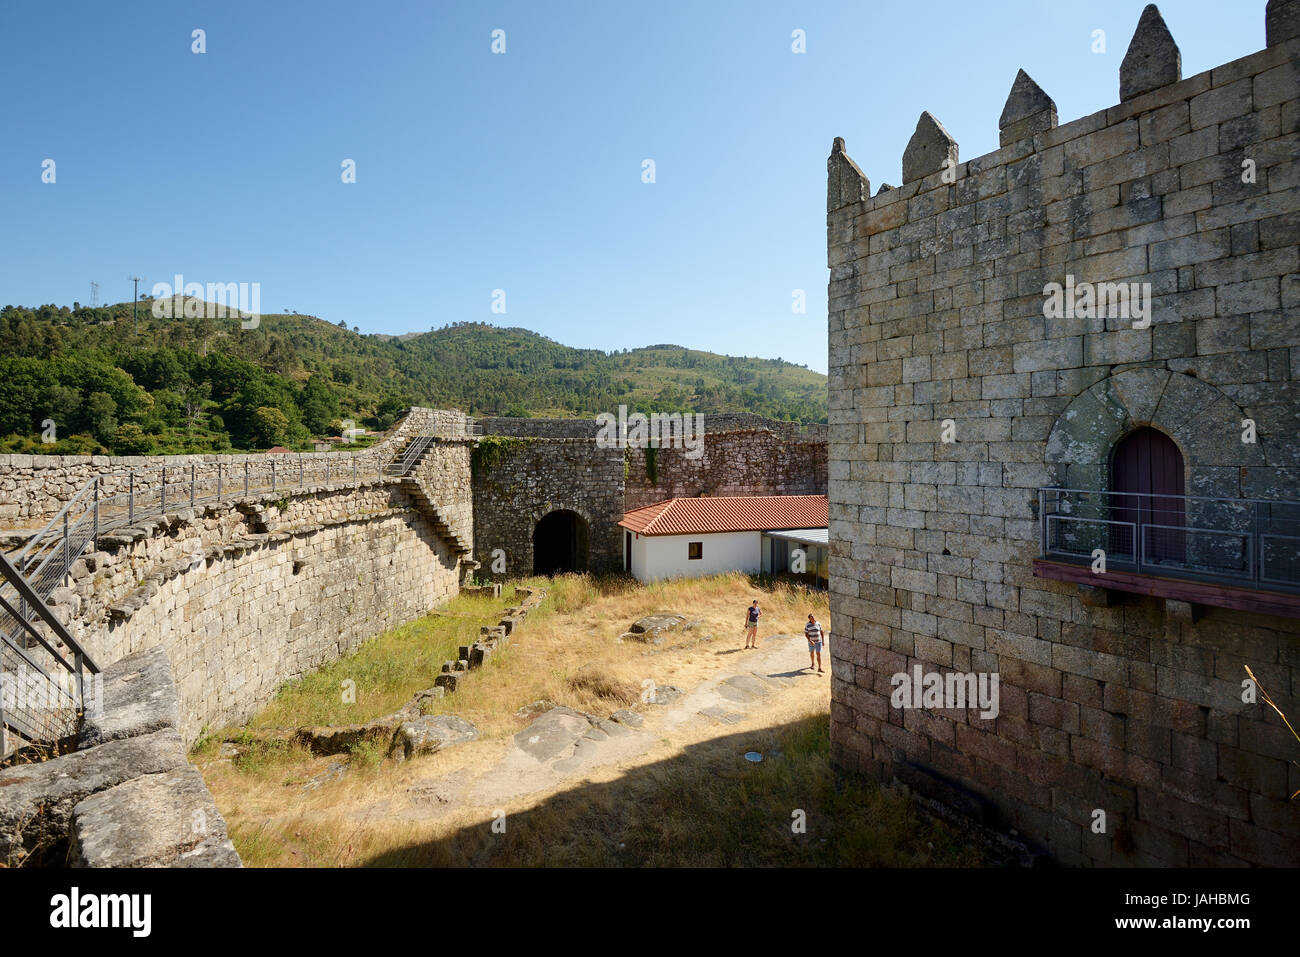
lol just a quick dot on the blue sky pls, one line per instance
(521, 171)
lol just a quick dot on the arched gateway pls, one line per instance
(560, 543)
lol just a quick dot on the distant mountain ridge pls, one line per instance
(202, 384)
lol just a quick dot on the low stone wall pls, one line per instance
(407, 732)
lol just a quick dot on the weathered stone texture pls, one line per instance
(1028, 110)
(245, 595)
(558, 466)
(37, 800)
(930, 149)
(1152, 59)
(936, 312)
(33, 488)
(156, 820)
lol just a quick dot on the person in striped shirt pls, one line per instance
(813, 632)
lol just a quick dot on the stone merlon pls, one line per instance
(1028, 110)
(846, 184)
(1281, 21)
(1152, 60)
(929, 150)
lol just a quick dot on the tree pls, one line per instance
(195, 398)
(319, 405)
(130, 439)
(270, 426)
(101, 416)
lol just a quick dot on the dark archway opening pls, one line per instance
(560, 543)
(1148, 504)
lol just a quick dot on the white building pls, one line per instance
(689, 537)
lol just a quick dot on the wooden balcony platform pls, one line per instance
(1218, 594)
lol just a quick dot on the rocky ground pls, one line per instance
(729, 691)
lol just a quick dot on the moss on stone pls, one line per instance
(491, 450)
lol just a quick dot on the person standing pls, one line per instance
(751, 625)
(815, 635)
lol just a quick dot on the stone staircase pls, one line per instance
(412, 455)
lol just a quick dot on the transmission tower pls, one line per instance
(135, 298)
(94, 294)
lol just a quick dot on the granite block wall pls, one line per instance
(940, 321)
(244, 596)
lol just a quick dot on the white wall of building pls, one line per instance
(666, 556)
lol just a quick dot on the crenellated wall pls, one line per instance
(1111, 701)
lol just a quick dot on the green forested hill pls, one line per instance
(196, 384)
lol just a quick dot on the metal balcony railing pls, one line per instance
(1249, 543)
(41, 665)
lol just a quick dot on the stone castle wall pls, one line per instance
(750, 462)
(1122, 703)
(557, 465)
(443, 478)
(244, 596)
(536, 477)
(584, 428)
(33, 488)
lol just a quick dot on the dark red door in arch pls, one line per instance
(1147, 476)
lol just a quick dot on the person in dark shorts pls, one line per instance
(816, 636)
(751, 625)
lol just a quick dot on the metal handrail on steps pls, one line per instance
(35, 646)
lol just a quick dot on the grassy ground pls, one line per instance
(704, 808)
(693, 801)
(386, 671)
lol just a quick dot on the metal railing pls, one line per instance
(409, 457)
(42, 667)
(40, 661)
(1251, 543)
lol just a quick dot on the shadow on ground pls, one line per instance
(710, 806)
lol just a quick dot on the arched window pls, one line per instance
(1146, 477)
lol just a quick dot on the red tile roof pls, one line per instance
(743, 513)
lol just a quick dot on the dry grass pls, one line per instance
(566, 651)
(706, 806)
(386, 671)
(694, 802)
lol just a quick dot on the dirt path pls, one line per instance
(717, 691)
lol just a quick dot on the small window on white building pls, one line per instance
(694, 550)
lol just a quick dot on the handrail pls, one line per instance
(1187, 498)
(1197, 537)
(45, 560)
(54, 521)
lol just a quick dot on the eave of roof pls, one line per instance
(746, 513)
